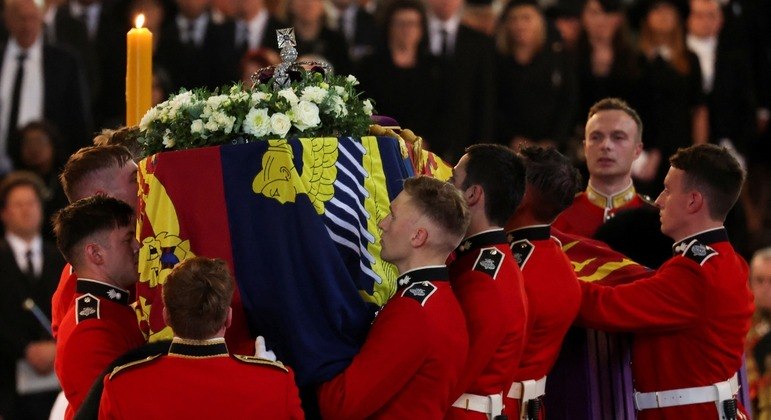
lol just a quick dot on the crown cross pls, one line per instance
(287, 43)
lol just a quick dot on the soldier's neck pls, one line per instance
(610, 186)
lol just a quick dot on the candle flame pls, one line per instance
(140, 20)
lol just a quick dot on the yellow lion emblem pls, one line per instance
(280, 180)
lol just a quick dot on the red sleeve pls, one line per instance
(62, 297)
(92, 346)
(393, 352)
(108, 405)
(672, 299)
(482, 307)
(293, 405)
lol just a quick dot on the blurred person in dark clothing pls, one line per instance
(314, 38)
(465, 85)
(536, 101)
(40, 153)
(401, 76)
(672, 103)
(607, 62)
(29, 267)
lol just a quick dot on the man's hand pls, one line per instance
(261, 351)
(40, 355)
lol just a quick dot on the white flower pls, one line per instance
(338, 106)
(225, 122)
(168, 141)
(280, 124)
(149, 117)
(305, 115)
(352, 80)
(341, 91)
(367, 105)
(196, 127)
(212, 125)
(313, 94)
(257, 122)
(289, 95)
(260, 96)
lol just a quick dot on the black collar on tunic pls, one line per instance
(532, 233)
(102, 290)
(481, 240)
(707, 238)
(435, 273)
(197, 348)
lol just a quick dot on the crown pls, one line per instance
(289, 69)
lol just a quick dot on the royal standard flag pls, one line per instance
(297, 222)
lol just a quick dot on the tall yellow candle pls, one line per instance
(139, 72)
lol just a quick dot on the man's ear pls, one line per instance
(473, 194)
(695, 202)
(228, 320)
(419, 237)
(93, 253)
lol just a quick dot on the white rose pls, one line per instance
(280, 124)
(367, 107)
(313, 94)
(352, 80)
(289, 95)
(196, 127)
(306, 115)
(257, 122)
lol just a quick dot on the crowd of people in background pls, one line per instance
(516, 73)
(519, 72)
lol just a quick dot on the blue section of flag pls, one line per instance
(299, 273)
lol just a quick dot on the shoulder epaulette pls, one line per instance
(489, 261)
(254, 360)
(699, 252)
(522, 250)
(134, 363)
(420, 291)
(86, 307)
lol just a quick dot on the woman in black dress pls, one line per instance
(401, 75)
(536, 96)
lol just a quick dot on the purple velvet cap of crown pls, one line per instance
(385, 121)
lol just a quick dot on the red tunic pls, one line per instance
(490, 289)
(412, 357)
(198, 379)
(590, 209)
(689, 320)
(63, 297)
(98, 328)
(554, 297)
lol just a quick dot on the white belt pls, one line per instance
(527, 390)
(492, 405)
(716, 393)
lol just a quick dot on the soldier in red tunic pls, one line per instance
(198, 378)
(551, 285)
(487, 281)
(96, 235)
(691, 318)
(107, 170)
(414, 353)
(613, 141)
